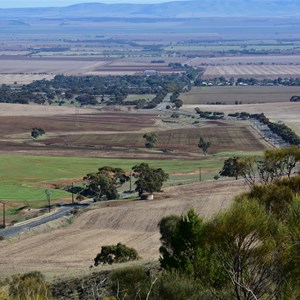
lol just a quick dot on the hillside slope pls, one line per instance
(131, 223)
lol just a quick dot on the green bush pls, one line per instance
(115, 254)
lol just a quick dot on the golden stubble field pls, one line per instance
(132, 223)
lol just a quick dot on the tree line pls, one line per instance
(92, 90)
(282, 130)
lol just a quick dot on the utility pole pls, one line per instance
(200, 174)
(130, 181)
(4, 223)
(47, 192)
(99, 187)
(72, 192)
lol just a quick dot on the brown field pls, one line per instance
(48, 66)
(11, 110)
(131, 223)
(223, 136)
(255, 71)
(22, 78)
(245, 94)
(286, 112)
(121, 133)
(24, 70)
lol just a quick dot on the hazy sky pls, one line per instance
(43, 3)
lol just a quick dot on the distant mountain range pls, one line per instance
(175, 9)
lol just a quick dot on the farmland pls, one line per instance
(76, 144)
(91, 122)
(21, 182)
(23, 70)
(255, 71)
(243, 94)
(223, 137)
(119, 134)
(258, 59)
(133, 223)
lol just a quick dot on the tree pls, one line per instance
(274, 164)
(204, 145)
(180, 238)
(148, 179)
(151, 139)
(178, 103)
(186, 248)
(37, 131)
(246, 239)
(105, 182)
(283, 159)
(231, 168)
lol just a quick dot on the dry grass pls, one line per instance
(132, 223)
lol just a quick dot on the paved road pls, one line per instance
(63, 211)
(163, 105)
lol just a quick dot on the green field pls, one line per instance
(133, 97)
(25, 178)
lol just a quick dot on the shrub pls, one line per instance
(115, 254)
(130, 283)
(30, 285)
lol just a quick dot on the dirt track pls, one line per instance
(132, 223)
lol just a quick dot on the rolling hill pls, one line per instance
(177, 9)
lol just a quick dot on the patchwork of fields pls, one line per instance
(76, 144)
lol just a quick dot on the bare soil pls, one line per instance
(120, 134)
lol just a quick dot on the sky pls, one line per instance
(48, 3)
